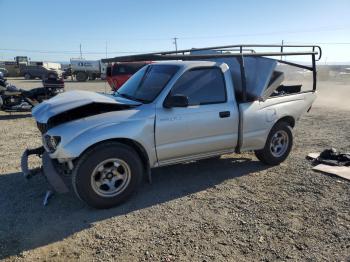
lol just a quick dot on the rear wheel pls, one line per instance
(278, 145)
(82, 76)
(107, 175)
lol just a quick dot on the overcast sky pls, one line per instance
(53, 30)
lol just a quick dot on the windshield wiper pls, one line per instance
(131, 97)
(125, 96)
(148, 69)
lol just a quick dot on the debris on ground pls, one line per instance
(332, 162)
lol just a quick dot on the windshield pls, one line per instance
(147, 83)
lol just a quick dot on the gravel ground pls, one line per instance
(231, 209)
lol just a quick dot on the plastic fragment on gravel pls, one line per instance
(341, 171)
(313, 155)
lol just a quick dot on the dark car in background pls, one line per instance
(39, 71)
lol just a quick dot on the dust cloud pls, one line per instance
(333, 94)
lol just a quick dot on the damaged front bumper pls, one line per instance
(48, 169)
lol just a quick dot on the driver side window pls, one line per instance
(202, 86)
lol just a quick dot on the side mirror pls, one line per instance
(175, 101)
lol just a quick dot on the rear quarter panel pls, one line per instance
(260, 116)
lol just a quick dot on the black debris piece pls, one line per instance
(333, 158)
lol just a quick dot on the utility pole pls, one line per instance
(175, 42)
(282, 49)
(81, 54)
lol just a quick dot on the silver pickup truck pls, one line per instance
(168, 112)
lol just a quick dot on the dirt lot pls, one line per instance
(232, 209)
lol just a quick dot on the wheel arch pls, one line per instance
(140, 150)
(288, 119)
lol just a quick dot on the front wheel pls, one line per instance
(27, 76)
(278, 145)
(107, 175)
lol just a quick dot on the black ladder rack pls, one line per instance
(234, 51)
(239, 50)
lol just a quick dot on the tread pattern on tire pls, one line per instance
(92, 151)
(265, 156)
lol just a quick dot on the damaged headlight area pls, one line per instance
(51, 142)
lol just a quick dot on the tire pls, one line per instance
(27, 76)
(82, 76)
(278, 145)
(92, 77)
(96, 176)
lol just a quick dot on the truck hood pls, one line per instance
(78, 104)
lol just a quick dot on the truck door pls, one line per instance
(206, 127)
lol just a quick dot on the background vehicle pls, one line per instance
(51, 65)
(39, 71)
(13, 99)
(119, 73)
(169, 113)
(84, 70)
(4, 71)
(13, 67)
(67, 72)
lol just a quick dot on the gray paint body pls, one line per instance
(170, 135)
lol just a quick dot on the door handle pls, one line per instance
(224, 114)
